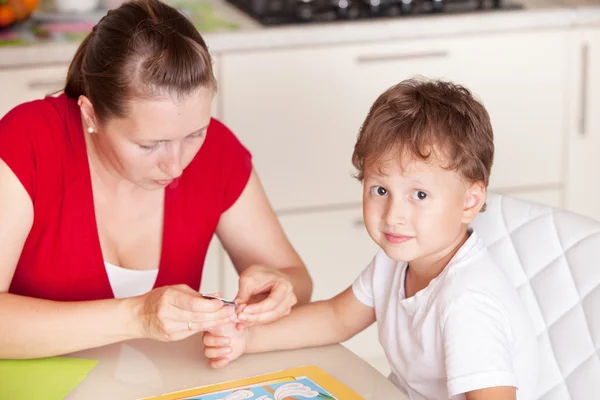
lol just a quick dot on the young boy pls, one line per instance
(449, 320)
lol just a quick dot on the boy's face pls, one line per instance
(418, 211)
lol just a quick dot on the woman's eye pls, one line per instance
(419, 195)
(379, 191)
(149, 148)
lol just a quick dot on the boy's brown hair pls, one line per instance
(422, 118)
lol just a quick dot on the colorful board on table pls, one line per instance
(309, 382)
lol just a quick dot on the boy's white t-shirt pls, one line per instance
(467, 330)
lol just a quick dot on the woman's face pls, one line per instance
(158, 138)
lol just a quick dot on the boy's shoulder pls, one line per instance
(476, 281)
(473, 267)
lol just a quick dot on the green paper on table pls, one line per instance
(44, 378)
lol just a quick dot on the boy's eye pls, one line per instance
(379, 191)
(419, 195)
(196, 135)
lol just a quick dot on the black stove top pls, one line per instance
(283, 12)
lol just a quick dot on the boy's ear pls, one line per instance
(475, 197)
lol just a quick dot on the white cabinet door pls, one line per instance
(26, 84)
(583, 166)
(335, 248)
(299, 110)
(520, 78)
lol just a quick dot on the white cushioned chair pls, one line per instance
(553, 259)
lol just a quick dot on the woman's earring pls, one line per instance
(90, 129)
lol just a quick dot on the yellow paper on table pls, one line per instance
(309, 382)
(43, 378)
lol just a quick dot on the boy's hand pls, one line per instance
(224, 344)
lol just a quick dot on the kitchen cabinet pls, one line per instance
(520, 78)
(26, 84)
(299, 110)
(583, 165)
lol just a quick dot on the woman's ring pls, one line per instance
(189, 326)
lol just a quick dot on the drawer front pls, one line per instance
(520, 78)
(28, 84)
(583, 163)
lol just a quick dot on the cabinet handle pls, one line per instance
(46, 84)
(400, 57)
(359, 223)
(584, 83)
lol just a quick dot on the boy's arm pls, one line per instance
(493, 393)
(314, 324)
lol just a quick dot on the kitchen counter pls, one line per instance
(144, 368)
(248, 35)
(536, 14)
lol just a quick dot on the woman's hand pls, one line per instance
(175, 312)
(265, 295)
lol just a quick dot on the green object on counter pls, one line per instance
(45, 27)
(11, 42)
(203, 15)
(44, 378)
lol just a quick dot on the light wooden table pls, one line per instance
(143, 368)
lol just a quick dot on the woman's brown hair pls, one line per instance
(420, 118)
(143, 49)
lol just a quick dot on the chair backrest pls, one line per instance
(553, 259)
